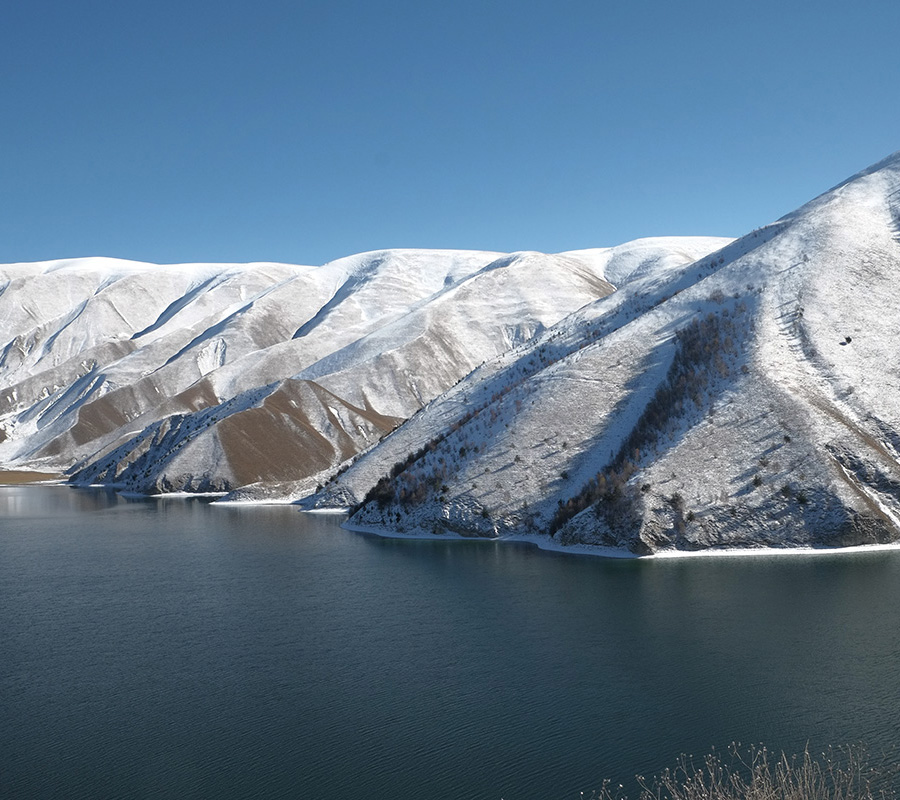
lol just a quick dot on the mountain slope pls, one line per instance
(726, 394)
(747, 399)
(209, 377)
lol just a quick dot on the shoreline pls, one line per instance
(598, 551)
(33, 478)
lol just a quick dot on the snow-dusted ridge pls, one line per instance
(747, 400)
(212, 377)
(728, 395)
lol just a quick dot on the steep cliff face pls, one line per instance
(747, 399)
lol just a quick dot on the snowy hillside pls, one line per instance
(211, 377)
(747, 399)
(726, 393)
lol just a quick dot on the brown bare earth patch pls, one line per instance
(16, 477)
(270, 443)
(599, 286)
(97, 418)
(105, 414)
(200, 395)
(278, 441)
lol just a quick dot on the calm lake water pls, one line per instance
(175, 649)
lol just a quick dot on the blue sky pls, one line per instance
(304, 131)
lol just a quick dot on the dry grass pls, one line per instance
(755, 773)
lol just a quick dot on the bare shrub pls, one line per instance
(756, 773)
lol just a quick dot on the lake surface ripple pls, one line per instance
(173, 648)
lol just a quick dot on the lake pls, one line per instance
(154, 648)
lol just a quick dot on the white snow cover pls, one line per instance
(748, 399)
(727, 395)
(208, 377)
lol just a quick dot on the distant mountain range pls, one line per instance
(671, 393)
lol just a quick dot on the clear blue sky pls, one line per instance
(299, 131)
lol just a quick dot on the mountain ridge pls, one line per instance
(779, 336)
(668, 394)
(110, 364)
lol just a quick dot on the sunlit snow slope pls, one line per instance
(727, 393)
(211, 377)
(749, 398)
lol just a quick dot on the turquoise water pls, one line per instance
(171, 648)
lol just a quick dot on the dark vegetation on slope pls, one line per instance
(414, 491)
(386, 491)
(550, 351)
(706, 350)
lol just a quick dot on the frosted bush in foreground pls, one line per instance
(755, 773)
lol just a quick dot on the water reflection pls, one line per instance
(53, 501)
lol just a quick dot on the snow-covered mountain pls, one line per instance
(210, 377)
(727, 393)
(748, 398)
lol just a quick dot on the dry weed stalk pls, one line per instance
(755, 773)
